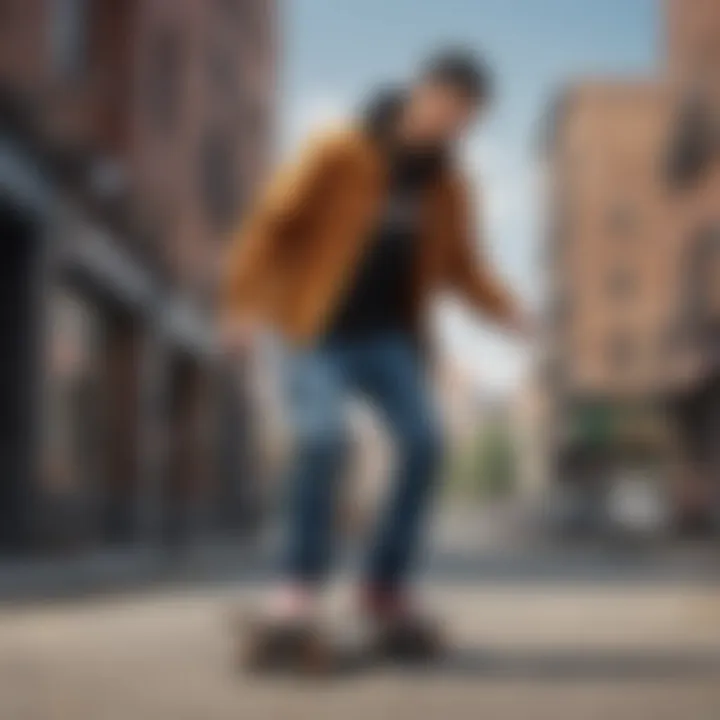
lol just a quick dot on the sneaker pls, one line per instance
(267, 644)
(399, 631)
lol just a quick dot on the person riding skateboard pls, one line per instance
(340, 258)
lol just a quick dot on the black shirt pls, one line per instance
(377, 299)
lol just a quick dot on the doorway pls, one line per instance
(183, 487)
(19, 333)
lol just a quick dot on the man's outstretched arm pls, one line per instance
(472, 275)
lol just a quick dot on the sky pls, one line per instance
(334, 52)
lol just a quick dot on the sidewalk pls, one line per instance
(480, 546)
(551, 653)
(124, 570)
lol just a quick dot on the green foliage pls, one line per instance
(486, 468)
(496, 464)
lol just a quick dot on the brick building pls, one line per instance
(693, 38)
(613, 251)
(633, 341)
(694, 67)
(131, 134)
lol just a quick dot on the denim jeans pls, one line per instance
(388, 371)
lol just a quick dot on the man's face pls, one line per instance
(441, 113)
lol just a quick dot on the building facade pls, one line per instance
(631, 328)
(613, 253)
(692, 39)
(694, 67)
(131, 134)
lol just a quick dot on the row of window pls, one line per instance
(68, 24)
(621, 286)
(163, 95)
(626, 351)
(218, 166)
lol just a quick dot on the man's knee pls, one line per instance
(325, 443)
(422, 443)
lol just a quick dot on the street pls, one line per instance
(530, 643)
(276, 269)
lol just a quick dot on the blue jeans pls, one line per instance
(388, 371)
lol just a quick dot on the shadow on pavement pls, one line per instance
(549, 665)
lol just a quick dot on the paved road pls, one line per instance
(544, 651)
(480, 547)
(537, 633)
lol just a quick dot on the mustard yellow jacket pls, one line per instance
(301, 243)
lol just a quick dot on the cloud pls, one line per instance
(493, 361)
(505, 178)
(507, 217)
(309, 114)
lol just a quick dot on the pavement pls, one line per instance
(536, 633)
(481, 546)
(546, 652)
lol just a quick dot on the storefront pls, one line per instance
(23, 205)
(112, 403)
(74, 315)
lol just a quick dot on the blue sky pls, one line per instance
(335, 51)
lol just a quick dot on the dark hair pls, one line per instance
(461, 69)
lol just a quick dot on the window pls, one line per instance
(68, 36)
(223, 71)
(556, 373)
(255, 117)
(219, 180)
(71, 436)
(622, 284)
(622, 220)
(164, 80)
(621, 352)
(8, 13)
(232, 9)
(561, 309)
(675, 337)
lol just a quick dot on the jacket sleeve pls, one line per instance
(272, 222)
(469, 271)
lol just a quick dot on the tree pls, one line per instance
(496, 465)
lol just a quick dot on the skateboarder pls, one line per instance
(340, 259)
